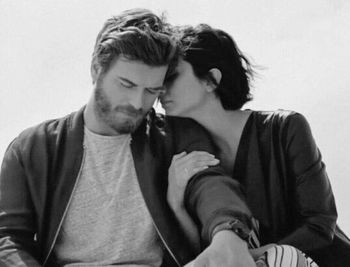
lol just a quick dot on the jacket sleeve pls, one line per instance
(211, 197)
(17, 245)
(314, 201)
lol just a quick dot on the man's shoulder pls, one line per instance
(47, 127)
(44, 133)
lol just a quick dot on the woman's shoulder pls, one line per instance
(280, 116)
(282, 121)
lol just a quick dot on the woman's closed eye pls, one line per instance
(170, 79)
(154, 91)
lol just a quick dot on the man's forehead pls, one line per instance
(138, 72)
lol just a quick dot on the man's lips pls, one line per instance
(129, 111)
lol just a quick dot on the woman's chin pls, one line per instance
(171, 112)
(176, 112)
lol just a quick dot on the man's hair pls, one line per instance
(136, 34)
(206, 48)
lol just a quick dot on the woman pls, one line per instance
(272, 154)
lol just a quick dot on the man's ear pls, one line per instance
(216, 75)
(94, 72)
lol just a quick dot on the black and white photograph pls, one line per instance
(150, 133)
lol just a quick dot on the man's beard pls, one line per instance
(123, 124)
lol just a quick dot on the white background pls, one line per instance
(46, 46)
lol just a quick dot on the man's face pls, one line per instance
(125, 93)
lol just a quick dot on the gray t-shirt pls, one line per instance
(107, 222)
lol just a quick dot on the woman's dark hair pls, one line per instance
(206, 48)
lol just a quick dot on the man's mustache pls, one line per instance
(128, 109)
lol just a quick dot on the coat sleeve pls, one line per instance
(17, 245)
(314, 201)
(211, 197)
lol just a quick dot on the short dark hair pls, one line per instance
(206, 48)
(136, 34)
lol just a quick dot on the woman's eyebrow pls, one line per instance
(158, 88)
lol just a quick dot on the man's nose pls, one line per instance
(137, 99)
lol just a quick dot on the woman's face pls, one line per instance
(185, 93)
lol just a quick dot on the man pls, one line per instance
(89, 189)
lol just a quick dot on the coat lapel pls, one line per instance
(152, 177)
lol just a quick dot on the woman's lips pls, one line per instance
(166, 103)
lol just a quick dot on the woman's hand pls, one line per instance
(182, 168)
(225, 250)
(258, 252)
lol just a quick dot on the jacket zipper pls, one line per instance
(65, 211)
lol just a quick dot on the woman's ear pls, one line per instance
(215, 75)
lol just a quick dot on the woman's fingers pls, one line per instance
(184, 165)
(202, 162)
(195, 156)
(199, 155)
(182, 168)
(194, 161)
(178, 156)
(193, 167)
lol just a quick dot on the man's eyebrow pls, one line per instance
(127, 81)
(157, 88)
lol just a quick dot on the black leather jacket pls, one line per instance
(287, 188)
(41, 165)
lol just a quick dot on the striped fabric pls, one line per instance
(278, 255)
(283, 256)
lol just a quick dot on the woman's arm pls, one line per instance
(182, 168)
(211, 199)
(314, 200)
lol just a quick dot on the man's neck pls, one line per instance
(93, 123)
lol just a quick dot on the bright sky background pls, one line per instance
(46, 46)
